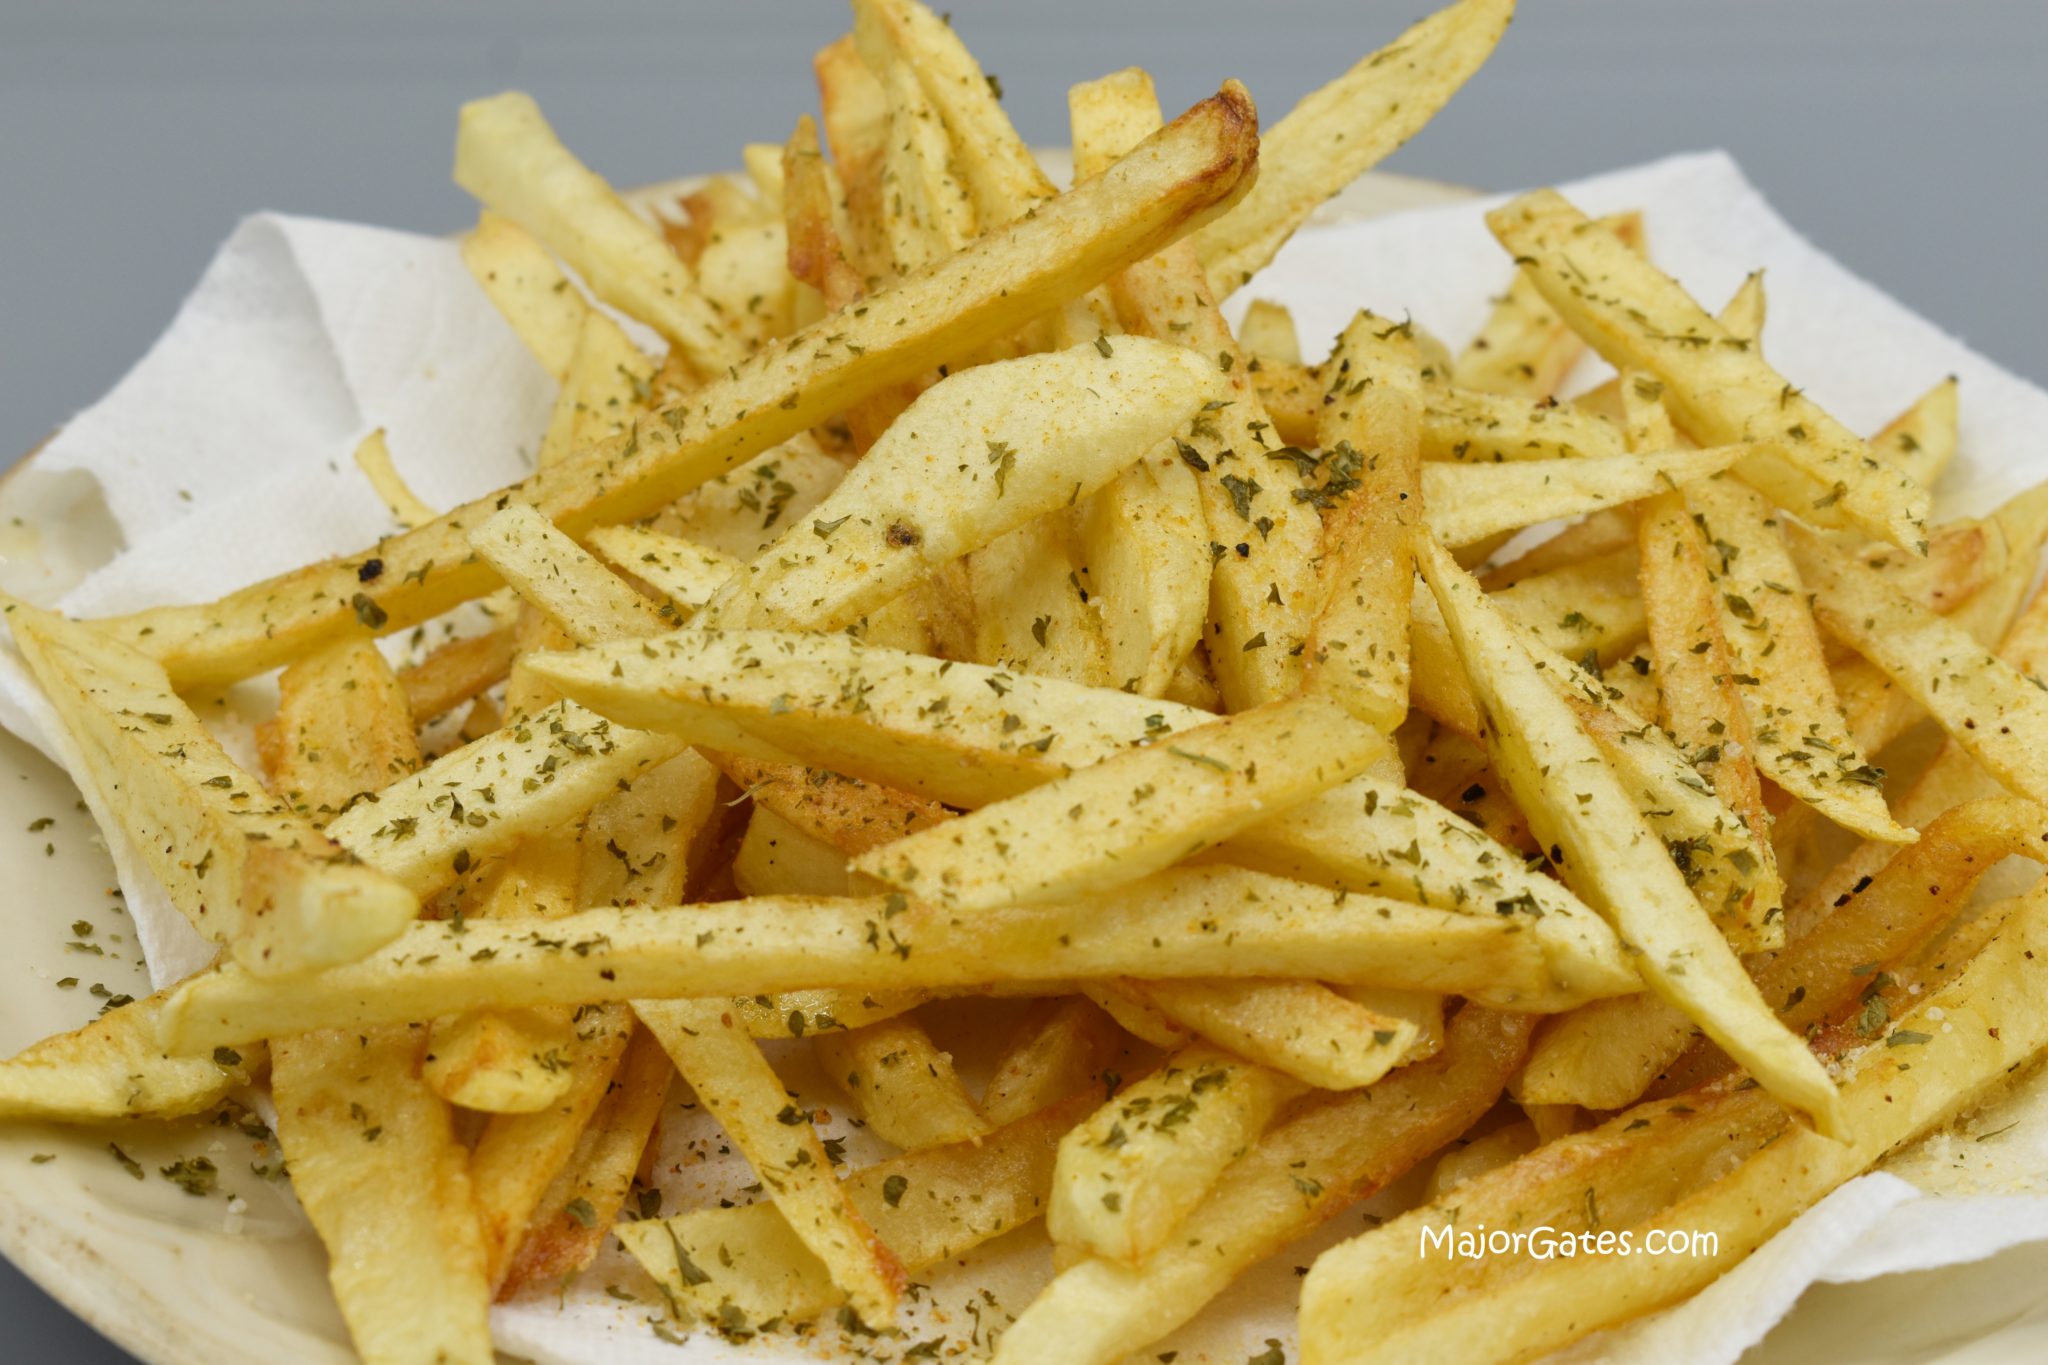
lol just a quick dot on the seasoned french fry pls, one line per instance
(1263, 926)
(1301, 1029)
(1058, 1050)
(1130, 1173)
(510, 159)
(459, 671)
(1267, 331)
(1132, 814)
(1045, 429)
(1343, 129)
(355, 1124)
(529, 289)
(373, 457)
(114, 1068)
(1358, 649)
(903, 1083)
(243, 867)
(608, 388)
(1992, 709)
(686, 574)
(1466, 426)
(1584, 815)
(1368, 1300)
(1718, 386)
(1802, 742)
(1525, 349)
(1465, 504)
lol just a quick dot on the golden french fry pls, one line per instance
(246, 869)
(1343, 129)
(1130, 1172)
(529, 289)
(1249, 925)
(1718, 385)
(1465, 504)
(905, 1086)
(114, 1068)
(1059, 1049)
(1524, 349)
(1300, 1029)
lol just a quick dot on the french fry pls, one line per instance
(528, 288)
(1058, 1050)
(733, 1081)
(1702, 703)
(1465, 504)
(1299, 1029)
(247, 870)
(543, 565)
(1802, 742)
(1921, 441)
(1299, 1174)
(373, 457)
(927, 1206)
(1601, 533)
(856, 118)
(355, 1125)
(1342, 130)
(848, 813)
(775, 858)
(1132, 814)
(1593, 835)
(1267, 331)
(574, 1217)
(1191, 168)
(1993, 710)
(1358, 648)
(1046, 429)
(1249, 925)
(305, 745)
(456, 672)
(114, 1068)
(686, 574)
(1468, 426)
(1129, 1173)
(905, 1086)
(510, 159)
(608, 388)
(1718, 386)
(1524, 349)
(1365, 1300)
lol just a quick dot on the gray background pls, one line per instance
(1905, 136)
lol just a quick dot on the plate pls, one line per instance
(237, 1274)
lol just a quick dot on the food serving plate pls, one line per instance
(101, 1218)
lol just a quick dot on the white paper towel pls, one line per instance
(224, 457)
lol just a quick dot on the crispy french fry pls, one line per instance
(373, 457)
(776, 858)
(247, 870)
(1135, 813)
(1044, 429)
(1300, 1029)
(1996, 712)
(529, 289)
(1524, 349)
(1358, 649)
(1130, 1172)
(456, 672)
(356, 1125)
(1343, 129)
(1267, 331)
(1582, 813)
(1802, 742)
(1299, 1174)
(856, 117)
(903, 1083)
(510, 159)
(1465, 504)
(114, 1068)
(686, 574)
(1718, 386)
(1466, 426)
(1191, 168)
(575, 1215)
(1703, 704)
(1262, 926)
(1058, 1050)
(608, 388)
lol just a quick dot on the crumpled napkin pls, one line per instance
(223, 457)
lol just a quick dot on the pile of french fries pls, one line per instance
(962, 609)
